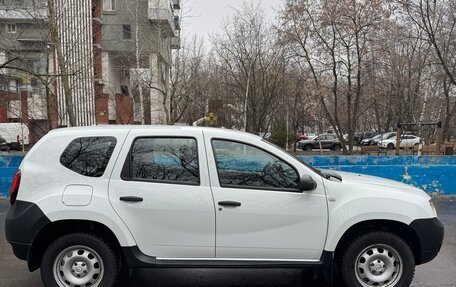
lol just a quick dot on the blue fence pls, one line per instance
(431, 173)
(8, 166)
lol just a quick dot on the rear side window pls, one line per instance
(161, 159)
(88, 156)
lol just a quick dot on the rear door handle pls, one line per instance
(229, 203)
(131, 198)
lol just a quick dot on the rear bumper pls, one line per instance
(20, 250)
(430, 234)
(23, 222)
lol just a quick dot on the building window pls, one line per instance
(109, 5)
(126, 31)
(11, 28)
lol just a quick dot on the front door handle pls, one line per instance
(131, 198)
(229, 203)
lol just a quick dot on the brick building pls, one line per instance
(117, 54)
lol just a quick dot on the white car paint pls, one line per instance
(407, 141)
(182, 221)
(258, 228)
(361, 198)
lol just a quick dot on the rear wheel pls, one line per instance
(377, 259)
(79, 259)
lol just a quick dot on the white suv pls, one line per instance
(88, 203)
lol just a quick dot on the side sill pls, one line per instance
(136, 259)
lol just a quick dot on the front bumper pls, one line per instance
(430, 233)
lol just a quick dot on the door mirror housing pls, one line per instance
(307, 183)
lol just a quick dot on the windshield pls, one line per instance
(304, 163)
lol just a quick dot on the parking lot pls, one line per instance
(438, 273)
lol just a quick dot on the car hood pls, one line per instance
(388, 184)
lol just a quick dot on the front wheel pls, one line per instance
(378, 259)
(307, 148)
(79, 259)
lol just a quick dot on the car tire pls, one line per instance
(307, 148)
(80, 259)
(336, 147)
(377, 259)
(390, 146)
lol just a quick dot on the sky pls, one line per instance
(206, 16)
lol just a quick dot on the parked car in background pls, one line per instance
(371, 141)
(15, 134)
(407, 141)
(367, 135)
(383, 137)
(325, 141)
(3, 144)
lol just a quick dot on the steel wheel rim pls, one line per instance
(78, 266)
(378, 265)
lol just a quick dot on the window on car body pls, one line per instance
(165, 159)
(243, 165)
(88, 156)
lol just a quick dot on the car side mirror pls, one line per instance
(307, 183)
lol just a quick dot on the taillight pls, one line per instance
(15, 187)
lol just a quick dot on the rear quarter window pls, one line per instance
(88, 156)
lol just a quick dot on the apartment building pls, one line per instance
(23, 49)
(115, 58)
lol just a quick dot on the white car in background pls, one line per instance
(407, 141)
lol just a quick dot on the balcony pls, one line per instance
(161, 16)
(23, 14)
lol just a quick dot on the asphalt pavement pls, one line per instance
(441, 272)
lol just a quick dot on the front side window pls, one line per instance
(242, 165)
(173, 160)
(109, 5)
(88, 156)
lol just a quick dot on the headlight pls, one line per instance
(434, 210)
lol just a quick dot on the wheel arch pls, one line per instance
(56, 229)
(399, 228)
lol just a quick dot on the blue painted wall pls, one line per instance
(431, 173)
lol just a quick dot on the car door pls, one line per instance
(160, 189)
(330, 141)
(260, 212)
